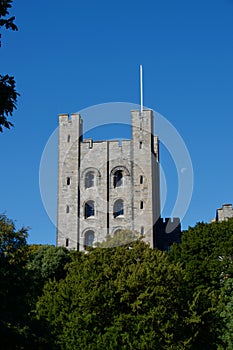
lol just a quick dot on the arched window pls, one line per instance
(90, 179)
(118, 208)
(89, 239)
(89, 209)
(118, 178)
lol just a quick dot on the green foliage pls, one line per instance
(226, 313)
(122, 298)
(48, 262)
(13, 282)
(12, 242)
(205, 252)
(44, 263)
(24, 270)
(206, 255)
(120, 238)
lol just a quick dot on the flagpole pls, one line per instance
(141, 91)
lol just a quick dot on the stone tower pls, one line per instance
(106, 186)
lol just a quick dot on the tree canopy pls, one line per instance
(126, 296)
(206, 254)
(120, 238)
(123, 298)
(13, 282)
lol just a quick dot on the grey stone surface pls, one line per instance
(137, 160)
(224, 213)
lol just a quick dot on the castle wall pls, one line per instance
(70, 131)
(120, 160)
(105, 186)
(104, 158)
(144, 164)
(224, 213)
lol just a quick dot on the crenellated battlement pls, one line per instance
(110, 184)
(63, 118)
(173, 221)
(66, 117)
(168, 231)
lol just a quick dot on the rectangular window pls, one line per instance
(141, 204)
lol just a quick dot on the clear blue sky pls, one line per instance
(69, 55)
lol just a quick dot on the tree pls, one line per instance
(120, 238)
(226, 313)
(13, 283)
(121, 298)
(205, 254)
(19, 290)
(12, 242)
(8, 93)
(45, 262)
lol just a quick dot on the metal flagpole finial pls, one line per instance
(141, 91)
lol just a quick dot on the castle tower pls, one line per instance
(145, 174)
(69, 141)
(106, 186)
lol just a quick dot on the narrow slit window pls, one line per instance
(67, 209)
(141, 204)
(68, 181)
(67, 242)
(141, 180)
(140, 145)
(68, 138)
(142, 230)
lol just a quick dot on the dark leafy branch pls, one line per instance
(8, 23)
(8, 93)
(8, 99)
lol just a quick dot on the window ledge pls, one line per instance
(119, 217)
